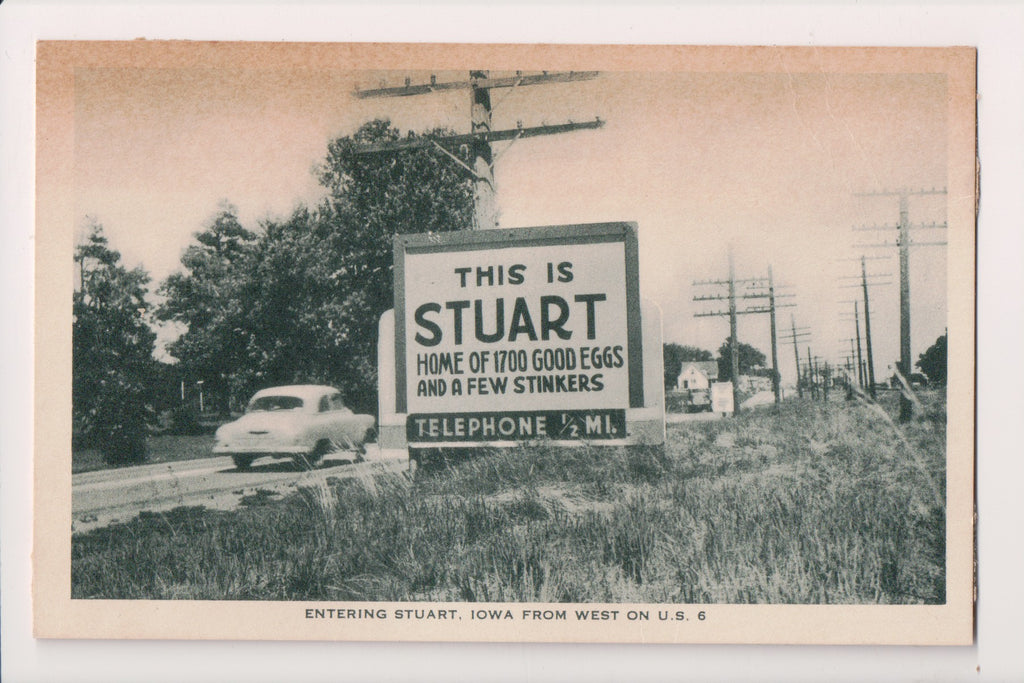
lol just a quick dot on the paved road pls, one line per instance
(677, 418)
(105, 496)
(760, 399)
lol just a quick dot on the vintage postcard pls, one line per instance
(542, 343)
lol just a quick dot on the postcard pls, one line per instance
(505, 343)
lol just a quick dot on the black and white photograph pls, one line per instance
(448, 342)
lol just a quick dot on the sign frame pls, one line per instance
(493, 240)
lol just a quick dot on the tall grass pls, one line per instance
(810, 504)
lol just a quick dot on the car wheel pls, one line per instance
(322, 448)
(360, 448)
(242, 462)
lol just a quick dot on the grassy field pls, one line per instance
(811, 504)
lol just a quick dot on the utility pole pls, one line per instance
(862, 366)
(796, 357)
(733, 312)
(481, 136)
(817, 375)
(853, 358)
(860, 358)
(810, 375)
(797, 334)
(906, 409)
(867, 328)
(484, 201)
(775, 352)
(733, 340)
(903, 243)
(863, 284)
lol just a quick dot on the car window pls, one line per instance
(271, 403)
(325, 404)
(336, 402)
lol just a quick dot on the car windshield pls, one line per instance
(269, 403)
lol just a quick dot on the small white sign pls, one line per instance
(721, 397)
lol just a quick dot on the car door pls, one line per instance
(338, 421)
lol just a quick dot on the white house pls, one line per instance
(697, 374)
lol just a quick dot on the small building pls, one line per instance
(697, 375)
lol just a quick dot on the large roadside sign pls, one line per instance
(504, 336)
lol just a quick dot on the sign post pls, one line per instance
(519, 335)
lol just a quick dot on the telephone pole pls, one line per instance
(860, 357)
(862, 365)
(903, 243)
(819, 377)
(867, 328)
(478, 141)
(484, 201)
(733, 312)
(810, 375)
(775, 352)
(797, 334)
(863, 286)
(853, 361)
(734, 355)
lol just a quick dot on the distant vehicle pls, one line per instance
(302, 422)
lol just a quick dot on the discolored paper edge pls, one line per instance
(58, 616)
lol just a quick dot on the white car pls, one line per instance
(302, 422)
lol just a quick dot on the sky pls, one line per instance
(768, 162)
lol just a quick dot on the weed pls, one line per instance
(815, 503)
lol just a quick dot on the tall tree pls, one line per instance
(933, 362)
(371, 199)
(300, 300)
(749, 357)
(209, 298)
(112, 352)
(677, 354)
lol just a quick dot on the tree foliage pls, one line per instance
(677, 354)
(749, 359)
(299, 300)
(209, 296)
(112, 353)
(933, 362)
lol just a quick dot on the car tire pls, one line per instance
(360, 448)
(242, 462)
(322, 448)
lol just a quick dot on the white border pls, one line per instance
(994, 29)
